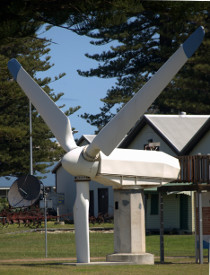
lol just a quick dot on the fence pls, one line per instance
(195, 169)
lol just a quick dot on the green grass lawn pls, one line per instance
(58, 269)
(32, 245)
(15, 243)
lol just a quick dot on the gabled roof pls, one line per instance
(180, 132)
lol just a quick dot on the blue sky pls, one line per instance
(68, 55)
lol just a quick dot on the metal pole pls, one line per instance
(200, 226)
(209, 256)
(45, 222)
(58, 214)
(196, 227)
(31, 145)
(161, 228)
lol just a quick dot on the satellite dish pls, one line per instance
(101, 161)
(24, 192)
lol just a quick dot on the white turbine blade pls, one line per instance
(111, 135)
(56, 120)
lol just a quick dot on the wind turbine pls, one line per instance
(101, 161)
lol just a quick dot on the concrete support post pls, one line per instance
(129, 228)
(200, 227)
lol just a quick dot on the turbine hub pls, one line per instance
(74, 163)
(89, 157)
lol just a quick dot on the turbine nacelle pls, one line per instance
(124, 168)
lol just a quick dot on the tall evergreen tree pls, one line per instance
(22, 18)
(146, 40)
(32, 53)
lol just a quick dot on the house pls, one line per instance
(176, 135)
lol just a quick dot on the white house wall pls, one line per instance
(67, 186)
(171, 214)
(203, 146)
(146, 134)
(172, 211)
(152, 221)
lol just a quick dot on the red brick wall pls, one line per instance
(206, 220)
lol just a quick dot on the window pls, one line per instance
(154, 204)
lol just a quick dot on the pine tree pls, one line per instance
(146, 40)
(32, 53)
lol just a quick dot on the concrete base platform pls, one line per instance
(140, 258)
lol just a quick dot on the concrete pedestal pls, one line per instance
(138, 258)
(129, 228)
